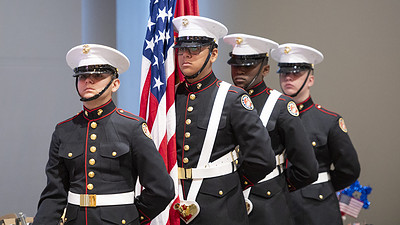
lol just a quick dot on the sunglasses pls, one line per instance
(191, 50)
(93, 76)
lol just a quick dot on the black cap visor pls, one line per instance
(192, 41)
(246, 60)
(95, 69)
(293, 67)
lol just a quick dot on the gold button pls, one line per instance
(141, 218)
(93, 149)
(318, 106)
(198, 85)
(91, 174)
(251, 91)
(192, 97)
(99, 112)
(121, 111)
(70, 154)
(320, 196)
(220, 192)
(123, 222)
(93, 137)
(90, 186)
(93, 125)
(313, 143)
(185, 160)
(92, 162)
(268, 193)
(245, 182)
(187, 135)
(186, 147)
(301, 107)
(289, 185)
(190, 108)
(86, 113)
(114, 153)
(236, 162)
(188, 121)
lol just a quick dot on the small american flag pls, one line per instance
(350, 205)
(157, 90)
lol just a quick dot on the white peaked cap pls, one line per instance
(244, 44)
(296, 53)
(189, 26)
(95, 54)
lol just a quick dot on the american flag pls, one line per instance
(350, 205)
(157, 100)
(184, 8)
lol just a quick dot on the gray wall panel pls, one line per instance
(37, 92)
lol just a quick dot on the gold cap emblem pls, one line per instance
(86, 49)
(239, 40)
(287, 49)
(185, 22)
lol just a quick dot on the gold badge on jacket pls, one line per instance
(342, 125)
(246, 102)
(292, 108)
(146, 130)
(188, 210)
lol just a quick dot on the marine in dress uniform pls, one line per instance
(338, 162)
(219, 198)
(269, 198)
(96, 156)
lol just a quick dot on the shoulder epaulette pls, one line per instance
(127, 114)
(322, 109)
(67, 120)
(236, 89)
(282, 97)
(285, 98)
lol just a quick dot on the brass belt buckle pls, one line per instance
(188, 210)
(87, 200)
(184, 173)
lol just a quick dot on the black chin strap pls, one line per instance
(94, 96)
(301, 88)
(204, 65)
(255, 77)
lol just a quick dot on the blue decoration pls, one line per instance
(364, 190)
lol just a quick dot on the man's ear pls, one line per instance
(265, 70)
(115, 85)
(310, 80)
(214, 55)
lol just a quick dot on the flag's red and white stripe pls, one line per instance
(157, 88)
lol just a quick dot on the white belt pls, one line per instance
(280, 159)
(323, 177)
(93, 200)
(219, 167)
